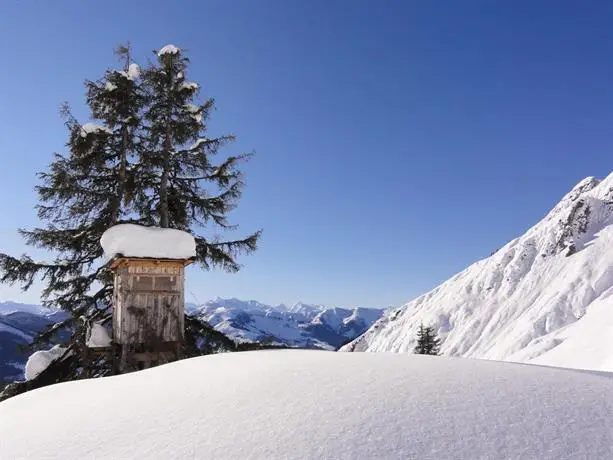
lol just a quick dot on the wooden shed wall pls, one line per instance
(148, 302)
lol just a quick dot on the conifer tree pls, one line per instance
(80, 196)
(109, 175)
(183, 188)
(427, 341)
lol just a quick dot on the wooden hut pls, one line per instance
(148, 310)
(148, 264)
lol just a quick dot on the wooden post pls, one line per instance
(124, 359)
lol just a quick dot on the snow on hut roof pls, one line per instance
(130, 240)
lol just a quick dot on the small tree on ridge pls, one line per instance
(427, 341)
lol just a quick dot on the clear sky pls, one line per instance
(397, 142)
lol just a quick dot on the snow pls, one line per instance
(299, 326)
(304, 308)
(188, 85)
(133, 71)
(110, 86)
(169, 49)
(40, 360)
(195, 111)
(315, 404)
(98, 337)
(369, 315)
(198, 143)
(585, 344)
(545, 297)
(130, 240)
(92, 128)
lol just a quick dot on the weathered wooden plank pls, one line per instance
(151, 310)
(154, 270)
(133, 261)
(155, 291)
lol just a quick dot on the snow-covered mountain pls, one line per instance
(19, 323)
(545, 297)
(298, 404)
(300, 325)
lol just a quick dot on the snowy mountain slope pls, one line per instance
(298, 325)
(541, 294)
(300, 404)
(307, 310)
(584, 344)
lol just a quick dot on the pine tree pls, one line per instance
(109, 176)
(80, 197)
(183, 188)
(118, 100)
(427, 341)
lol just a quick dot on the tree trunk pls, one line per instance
(123, 159)
(164, 182)
(164, 220)
(121, 180)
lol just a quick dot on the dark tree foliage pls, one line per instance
(427, 341)
(145, 160)
(80, 196)
(184, 188)
(202, 339)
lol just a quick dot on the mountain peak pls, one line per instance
(582, 187)
(586, 184)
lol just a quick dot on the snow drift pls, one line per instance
(131, 240)
(545, 296)
(317, 404)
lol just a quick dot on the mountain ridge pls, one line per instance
(299, 325)
(519, 303)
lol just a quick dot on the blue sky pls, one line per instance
(397, 142)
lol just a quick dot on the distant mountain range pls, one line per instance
(300, 325)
